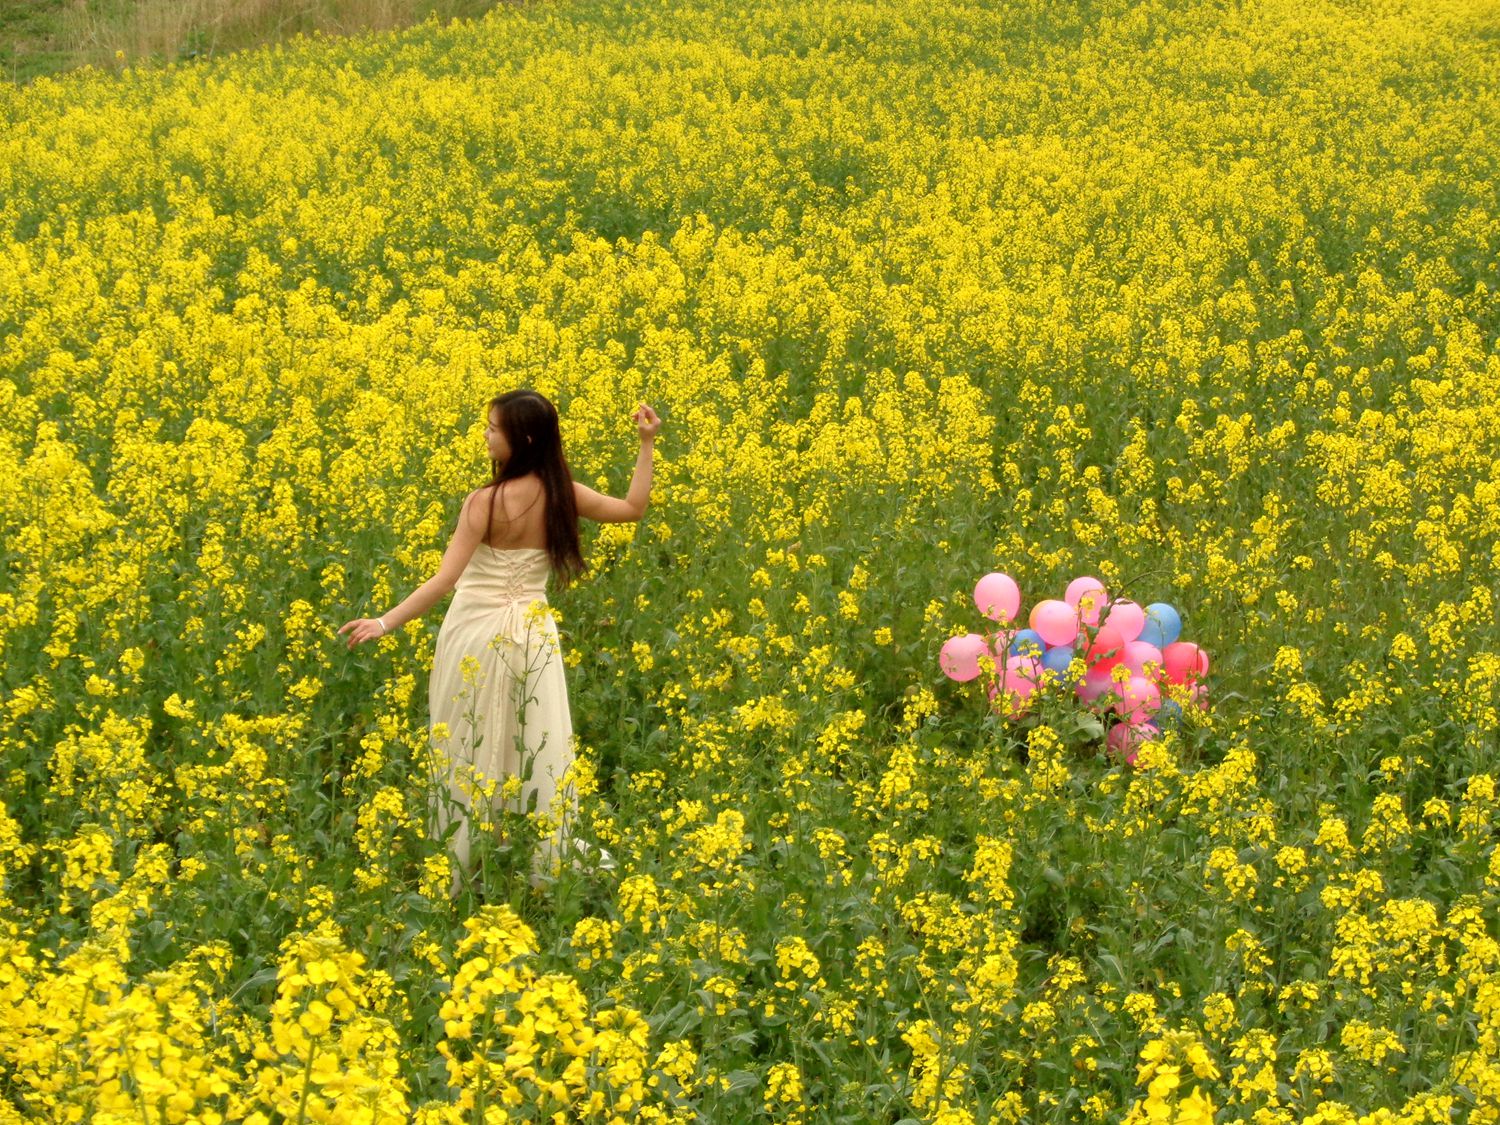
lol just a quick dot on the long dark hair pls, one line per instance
(529, 423)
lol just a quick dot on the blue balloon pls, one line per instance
(1025, 640)
(1169, 714)
(1163, 625)
(1058, 658)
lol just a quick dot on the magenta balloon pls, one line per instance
(1126, 740)
(1093, 590)
(1138, 701)
(1056, 621)
(959, 658)
(1127, 617)
(998, 597)
(1094, 684)
(1141, 654)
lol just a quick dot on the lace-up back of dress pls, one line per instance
(500, 576)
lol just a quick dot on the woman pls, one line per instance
(498, 697)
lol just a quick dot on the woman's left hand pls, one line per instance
(647, 423)
(362, 629)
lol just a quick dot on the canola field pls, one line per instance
(1198, 298)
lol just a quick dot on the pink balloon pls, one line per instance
(1025, 667)
(998, 597)
(1094, 684)
(1093, 590)
(1184, 662)
(1003, 640)
(959, 658)
(1080, 586)
(1006, 703)
(1139, 699)
(1126, 740)
(1128, 618)
(1016, 685)
(1056, 621)
(1141, 655)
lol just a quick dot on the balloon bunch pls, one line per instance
(1114, 655)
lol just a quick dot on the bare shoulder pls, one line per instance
(473, 512)
(520, 494)
(506, 500)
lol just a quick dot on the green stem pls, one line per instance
(312, 1053)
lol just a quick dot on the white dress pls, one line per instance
(498, 698)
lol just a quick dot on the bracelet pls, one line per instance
(383, 629)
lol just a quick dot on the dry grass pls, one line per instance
(114, 32)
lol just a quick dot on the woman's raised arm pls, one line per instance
(611, 509)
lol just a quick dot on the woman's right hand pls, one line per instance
(362, 629)
(647, 422)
